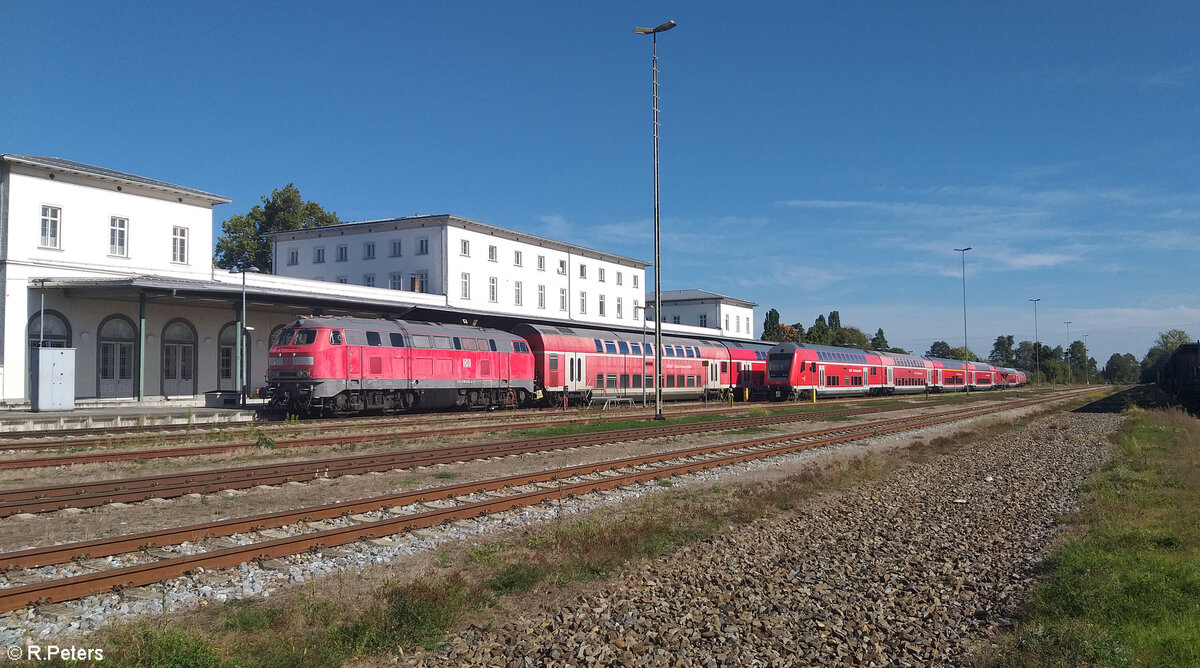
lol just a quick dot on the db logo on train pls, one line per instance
(466, 364)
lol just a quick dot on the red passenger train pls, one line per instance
(802, 371)
(337, 366)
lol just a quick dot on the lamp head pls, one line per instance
(650, 31)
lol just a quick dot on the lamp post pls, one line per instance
(642, 382)
(964, 282)
(653, 32)
(240, 354)
(1068, 324)
(1037, 345)
(1087, 371)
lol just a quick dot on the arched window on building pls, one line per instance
(178, 359)
(116, 357)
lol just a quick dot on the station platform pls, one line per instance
(119, 413)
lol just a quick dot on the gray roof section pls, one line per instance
(92, 170)
(473, 225)
(700, 296)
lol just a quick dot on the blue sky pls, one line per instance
(814, 156)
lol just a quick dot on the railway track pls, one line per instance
(90, 494)
(499, 495)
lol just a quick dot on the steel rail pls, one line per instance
(14, 598)
(311, 441)
(90, 494)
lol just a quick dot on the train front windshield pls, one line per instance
(779, 366)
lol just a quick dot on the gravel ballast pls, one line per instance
(912, 569)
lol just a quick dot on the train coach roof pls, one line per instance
(606, 335)
(948, 363)
(410, 326)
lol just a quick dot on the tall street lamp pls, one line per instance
(1037, 345)
(1068, 324)
(653, 32)
(964, 282)
(1087, 370)
(240, 355)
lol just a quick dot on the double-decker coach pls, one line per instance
(905, 374)
(797, 370)
(948, 375)
(585, 363)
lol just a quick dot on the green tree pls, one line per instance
(820, 333)
(1121, 369)
(940, 349)
(797, 334)
(1002, 351)
(835, 320)
(851, 337)
(243, 242)
(879, 341)
(964, 354)
(1157, 355)
(772, 331)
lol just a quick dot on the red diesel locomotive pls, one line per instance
(339, 366)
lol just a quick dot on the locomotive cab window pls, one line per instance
(396, 339)
(305, 337)
(492, 345)
(284, 337)
(335, 337)
(373, 339)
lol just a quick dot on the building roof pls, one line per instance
(699, 296)
(467, 224)
(73, 167)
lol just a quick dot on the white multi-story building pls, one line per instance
(733, 318)
(477, 267)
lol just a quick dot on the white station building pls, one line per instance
(119, 268)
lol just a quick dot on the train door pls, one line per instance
(891, 376)
(821, 382)
(865, 382)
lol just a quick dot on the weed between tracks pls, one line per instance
(1125, 590)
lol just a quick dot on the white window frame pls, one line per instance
(422, 246)
(493, 289)
(704, 320)
(118, 236)
(600, 274)
(600, 310)
(397, 247)
(464, 285)
(562, 299)
(620, 278)
(422, 281)
(635, 280)
(293, 257)
(179, 244)
(369, 280)
(369, 250)
(542, 297)
(319, 255)
(51, 230)
(562, 267)
(582, 303)
(396, 280)
(493, 254)
(518, 259)
(342, 253)
(518, 296)
(464, 248)
(620, 309)
(541, 263)
(583, 271)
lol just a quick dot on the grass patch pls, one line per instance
(1125, 590)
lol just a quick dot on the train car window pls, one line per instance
(421, 341)
(649, 382)
(679, 380)
(335, 337)
(492, 345)
(724, 367)
(396, 339)
(691, 381)
(355, 337)
(668, 351)
(554, 362)
(443, 343)
(373, 339)
(457, 343)
(670, 381)
(623, 347)
(637, 382)
(812, 367)
(599, 346)
(469, 344)
(635, 348)
(679, 351)
(610, 347)
(599, 381)
(688, 351)
(611, 381)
